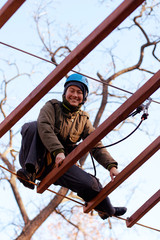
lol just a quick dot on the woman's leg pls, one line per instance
(86, 186)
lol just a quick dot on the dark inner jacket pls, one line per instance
(60, 129)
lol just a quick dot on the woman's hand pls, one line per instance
(113, 173)
(59, 159)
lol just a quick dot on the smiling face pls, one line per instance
(74, 95)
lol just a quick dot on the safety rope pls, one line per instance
(46, 189)
(142, 225)
(71, 199)
(112, 144)
(44, 59)
(144, 116)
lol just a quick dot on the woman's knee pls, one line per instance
(96, 185)
(29, 127)
(32, 126)
(89, 189)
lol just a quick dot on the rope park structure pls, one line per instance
(136, 99)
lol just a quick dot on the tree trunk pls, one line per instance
(34, 224)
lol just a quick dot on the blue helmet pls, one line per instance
(76, 77)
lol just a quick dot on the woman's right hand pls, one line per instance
(59, 159)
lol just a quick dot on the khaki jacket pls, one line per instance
(59, 129)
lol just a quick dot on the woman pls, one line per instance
(59, 127)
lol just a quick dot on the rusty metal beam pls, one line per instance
(80, 52)
(143, 209)
(124, 174)
(114, 119)
(9, 8)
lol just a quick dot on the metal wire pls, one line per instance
(100, 81)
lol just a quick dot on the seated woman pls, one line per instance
(59, 127)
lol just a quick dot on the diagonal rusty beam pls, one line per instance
(80, 52)
(124, 174)
(114, 119)
(150, 203)
(9, 8)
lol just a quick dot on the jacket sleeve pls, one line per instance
(100, 153)
(46, 129)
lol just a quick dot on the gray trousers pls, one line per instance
(86, 186)
(77, 180)
(32, 150)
